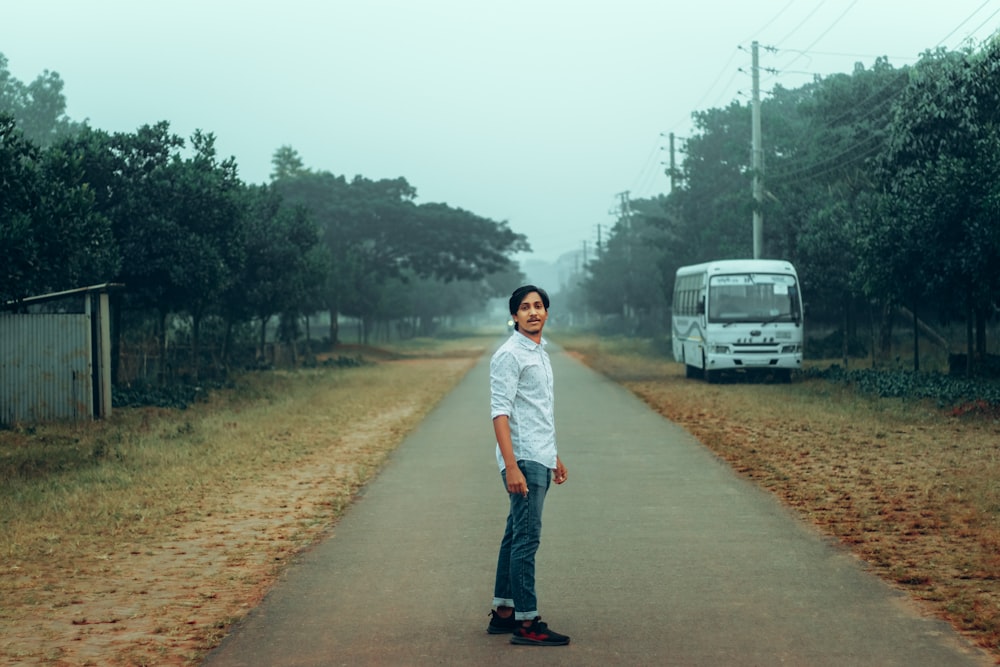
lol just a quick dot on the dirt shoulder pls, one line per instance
(910, 489)
(164, 589)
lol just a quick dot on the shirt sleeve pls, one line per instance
(504, 374)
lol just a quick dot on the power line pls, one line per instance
(796, 173)
(988, 19)
(823, 34)
(829, 164)
(967, 19)
(649, 170)
(851, 55)
(727, 67)
(802, 22)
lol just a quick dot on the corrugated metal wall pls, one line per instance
(45, 367)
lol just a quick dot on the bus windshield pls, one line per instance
(753, 297)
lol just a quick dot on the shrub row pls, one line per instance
(946, 391)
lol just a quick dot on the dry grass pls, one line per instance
(911, 490)
(139, 540)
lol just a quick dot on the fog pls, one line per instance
(536, 113)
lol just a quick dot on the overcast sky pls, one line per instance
(534, 112)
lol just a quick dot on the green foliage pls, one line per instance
(38, 108)
(944, 390)
(380, 241)
(341, 361)
(941, 173)
(194, 245)
(176, 395)
(882, 186)
(626, 278)
(51, 236)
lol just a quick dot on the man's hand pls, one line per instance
(516, 483)
(559, 475)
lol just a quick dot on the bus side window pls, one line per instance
(701, 305)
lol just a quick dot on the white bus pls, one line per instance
(737, 315)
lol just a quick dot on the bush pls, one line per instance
(341, 361)
(178, 396)
(946, 390)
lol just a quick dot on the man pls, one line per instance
(521, 406)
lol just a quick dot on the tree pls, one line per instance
(176, 220)
(52, 237)
(821, 184)
(286, 264)
(453, 244)
(375, 233)
(206, 210)
(630, 278)
(713, 206)
(942, 170)
(39, 108)
(286, 163)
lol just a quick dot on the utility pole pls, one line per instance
(625, 209)
(673, 165)
(757, 160)
(626, 216)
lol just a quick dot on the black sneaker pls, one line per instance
(500, 625)
(537, 634)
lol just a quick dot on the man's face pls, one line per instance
(531, 314)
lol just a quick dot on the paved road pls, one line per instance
(653, 553)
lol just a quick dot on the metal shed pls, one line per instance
(55, 356)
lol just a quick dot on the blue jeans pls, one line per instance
(515, 582)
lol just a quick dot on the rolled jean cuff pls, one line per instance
(525, 615)
(503, 602)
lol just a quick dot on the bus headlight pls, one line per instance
(720, 349)
(791, 349)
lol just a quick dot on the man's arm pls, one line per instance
(516, 483)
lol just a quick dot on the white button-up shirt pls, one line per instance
(521, 388)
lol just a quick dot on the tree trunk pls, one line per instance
(844, 343)
(969, 343)
(308, 351)
(227, 344)
(980, 335)
(852, 317)
(161, 326)
(195, 346)
(334, 328)
(116, 335)
(262, 344)
(885, 331)
(934, 336)
(872, 328)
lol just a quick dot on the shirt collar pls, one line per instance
(527, 343)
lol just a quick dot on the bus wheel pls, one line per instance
(711, 376)
(690, 371)
(783, 375)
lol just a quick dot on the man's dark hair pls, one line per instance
(518, 296)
